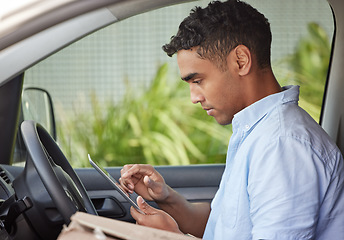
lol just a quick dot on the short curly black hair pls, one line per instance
(219, 28)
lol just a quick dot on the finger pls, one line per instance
(127, 181)
(153, 217)
(158, 190)
(126, 167)
(124, 186)
(138, 170)
(132, 174)
(124, 190)
(148, 181)
(145, 207)
(151, 184)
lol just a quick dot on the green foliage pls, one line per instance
(160, 126)
(309, 66)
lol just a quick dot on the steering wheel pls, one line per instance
(58, 177)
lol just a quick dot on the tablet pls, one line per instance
(114, 183)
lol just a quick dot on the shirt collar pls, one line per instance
(249, 116)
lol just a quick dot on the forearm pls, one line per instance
(191, 217)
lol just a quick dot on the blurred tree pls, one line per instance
(310, 63)
(159, 126)
(308, 67)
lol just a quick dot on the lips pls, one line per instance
(209, 111)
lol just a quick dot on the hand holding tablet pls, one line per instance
(114, 183)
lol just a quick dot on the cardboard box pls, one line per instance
(89, 227)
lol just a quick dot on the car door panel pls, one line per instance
(196, 183)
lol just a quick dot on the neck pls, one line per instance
(261, 84)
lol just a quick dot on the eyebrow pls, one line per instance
(189, 77)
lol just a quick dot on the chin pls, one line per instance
(223, 121)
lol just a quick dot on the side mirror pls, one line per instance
(38, 106)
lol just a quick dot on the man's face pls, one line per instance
(219, 92)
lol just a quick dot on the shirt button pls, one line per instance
(247, 127)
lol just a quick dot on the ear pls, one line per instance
(243, 59)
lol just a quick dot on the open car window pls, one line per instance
(117, 95)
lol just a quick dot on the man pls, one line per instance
(284, 176)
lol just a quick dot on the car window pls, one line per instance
(119, 97)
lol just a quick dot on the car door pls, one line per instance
(112, 91)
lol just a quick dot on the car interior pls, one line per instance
(67, 58)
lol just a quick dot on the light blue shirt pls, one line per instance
(283, 177)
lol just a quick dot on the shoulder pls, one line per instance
(291, 123)
(299, 128)
(297, 169)
(289, 134)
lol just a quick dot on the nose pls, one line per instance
(195, 94)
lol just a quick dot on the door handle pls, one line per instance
(108, 207)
